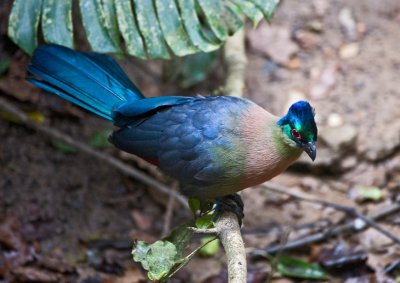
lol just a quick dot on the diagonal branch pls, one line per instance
(346, 209)
(321, 236)
(118, 164)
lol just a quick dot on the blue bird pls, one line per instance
(215, 146)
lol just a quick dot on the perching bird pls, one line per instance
(215, 146)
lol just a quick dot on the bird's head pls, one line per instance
(299, 127)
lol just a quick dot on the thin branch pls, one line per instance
(213, 231)
(346, 209)
(118, 164)
(168, 213)
(321, 236)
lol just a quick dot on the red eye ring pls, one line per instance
(296, 134)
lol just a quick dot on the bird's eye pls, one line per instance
(296, 134)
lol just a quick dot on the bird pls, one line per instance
(215, 146)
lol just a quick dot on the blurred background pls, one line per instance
(66, 217)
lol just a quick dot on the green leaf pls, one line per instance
(300, 269)
(213, 10)
(250, 10)
(193, 27)
(370, 193)
(23, 23)
(95, 21)
(99, 139)
(129, 30)
(139, 253)
(268, 7)
(180, 237)
(57, 22)
(4, 64)
(158, 258)
(36, 116)
(173, 29)
(231, 19)
(161, 259)
(194, 204)
(150, 29)
(63, 147)
(210, 246)
(109, 16)
(205, 221)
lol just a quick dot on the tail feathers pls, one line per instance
(92, 81)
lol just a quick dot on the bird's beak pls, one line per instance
(311, 149)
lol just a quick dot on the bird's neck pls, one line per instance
(268, 152)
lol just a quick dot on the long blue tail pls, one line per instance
(90, 80)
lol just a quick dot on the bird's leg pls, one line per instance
(232, 203)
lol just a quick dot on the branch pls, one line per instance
(332, 232)
(228, 230)
(235, 63)
(346, 209)
(114, 162)
(227, 225)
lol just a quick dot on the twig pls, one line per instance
(346, 209)
(168, 213)
(332, 232)
(121, 166)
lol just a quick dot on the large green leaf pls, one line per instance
(23, 23)
(149, 28)
(97, 23)
(213, 10)
(267, 7)
(129, 30)
(193, 26)
(57, 22)
(173, 29)
(250, 10)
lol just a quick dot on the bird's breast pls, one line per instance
(265, 151)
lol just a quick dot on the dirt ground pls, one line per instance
(66, 217)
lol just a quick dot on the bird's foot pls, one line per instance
(232, 203)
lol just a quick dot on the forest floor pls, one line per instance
(66, 217)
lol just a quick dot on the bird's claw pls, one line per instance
(232, 203)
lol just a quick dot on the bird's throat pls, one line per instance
(268, 151)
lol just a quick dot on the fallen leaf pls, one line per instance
(300, 269)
